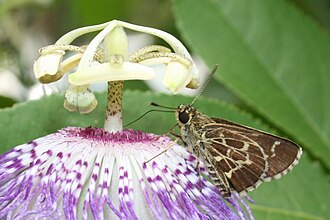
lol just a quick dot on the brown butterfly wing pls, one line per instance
(247, 156)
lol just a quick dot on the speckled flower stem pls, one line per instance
(113, 115)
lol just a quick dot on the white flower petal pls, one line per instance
(47, 67)
(177, 76)
(116, 43)
(195, 81)
(177, 46)
(72, 35)
(80, 99)
(93, 45)
(111, 72)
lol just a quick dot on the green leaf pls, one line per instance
(302, 194)
(272, 57)
(6, 102)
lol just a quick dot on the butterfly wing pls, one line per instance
(247, 156)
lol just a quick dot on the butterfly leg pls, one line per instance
(170, 131)
(198, 165)
(177, 136)
(200, 181)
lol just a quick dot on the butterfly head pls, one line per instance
(184, 113)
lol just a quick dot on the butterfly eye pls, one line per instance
(184, 117)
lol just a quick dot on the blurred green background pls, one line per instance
(274, 75)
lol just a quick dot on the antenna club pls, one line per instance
(214, 70)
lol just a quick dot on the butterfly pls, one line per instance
(238, 158)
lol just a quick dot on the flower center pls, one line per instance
(99, 134)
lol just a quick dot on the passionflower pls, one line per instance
(110, 172)
(89, 173)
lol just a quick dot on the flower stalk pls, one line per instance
(113, 116)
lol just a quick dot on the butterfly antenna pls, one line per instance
(161, 106)
(144, 114)
(207, 82)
